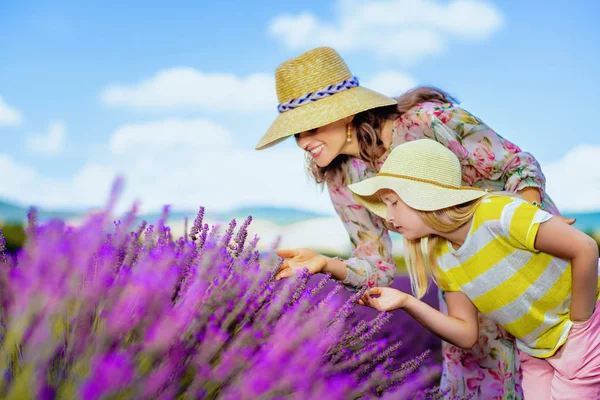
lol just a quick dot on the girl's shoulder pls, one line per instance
(492, 207)
(493, 204)
(501, 212)
(489, 215)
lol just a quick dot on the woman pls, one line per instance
(347, 132)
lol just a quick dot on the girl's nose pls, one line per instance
(389, 217)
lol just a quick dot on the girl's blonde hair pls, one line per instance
(421, 254)
(368, 126)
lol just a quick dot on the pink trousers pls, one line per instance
(573, 372)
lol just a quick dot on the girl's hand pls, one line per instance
(389, 299)
(297, 259)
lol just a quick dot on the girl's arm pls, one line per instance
(559, 239)
(460, 327)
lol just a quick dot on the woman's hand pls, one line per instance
(297, 259)
(531, 194)
(569, 221)
(389, 299)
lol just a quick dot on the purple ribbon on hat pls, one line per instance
(318, 95)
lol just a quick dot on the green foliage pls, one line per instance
(596, 237)
(14, 235)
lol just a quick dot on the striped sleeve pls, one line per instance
(443, 280)
(520, 223)
(445, 284)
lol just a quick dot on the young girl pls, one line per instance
(531, 273)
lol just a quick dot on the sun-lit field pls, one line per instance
(114, 310)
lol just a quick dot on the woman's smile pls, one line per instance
(316, 151)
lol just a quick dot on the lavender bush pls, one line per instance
(91, 313)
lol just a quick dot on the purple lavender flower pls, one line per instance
(197, 224)
(110, 373)
(97, 311)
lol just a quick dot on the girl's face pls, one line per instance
(404, 219)
(324, 144)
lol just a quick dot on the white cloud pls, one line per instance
(188, 88)
(178, 88)
(183, 172)
(169, 133)
(9, 116)
(220, 179)
(390, 83)
(15, 177)
(50, 143)
(573, 182)
(405, 30)
(226, 177)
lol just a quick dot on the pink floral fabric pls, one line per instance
(490, 370)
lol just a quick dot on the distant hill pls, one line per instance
(13, 213)
(277, 215)
(587, 222)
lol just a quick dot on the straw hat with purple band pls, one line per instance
(425, 174)
(316, 89)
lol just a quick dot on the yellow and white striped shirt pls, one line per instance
(523, 290)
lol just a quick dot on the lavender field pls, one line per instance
(111, 310)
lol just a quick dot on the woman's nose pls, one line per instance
(302, 137)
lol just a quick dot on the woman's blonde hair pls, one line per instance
(368, 126)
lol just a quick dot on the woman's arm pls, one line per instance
(487, 159)
(460, 327)
(483, 153)
(371, 262)
(492, 156)
(559, 239)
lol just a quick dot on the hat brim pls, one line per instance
(421, 196)
(322, 112)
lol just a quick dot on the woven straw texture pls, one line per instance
(310, 72)
(426, 175)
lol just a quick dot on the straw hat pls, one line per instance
(316, 89)
(425, 174)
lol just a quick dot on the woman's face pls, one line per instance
(325, 143)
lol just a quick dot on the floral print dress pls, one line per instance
(490, 370)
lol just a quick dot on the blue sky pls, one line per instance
(88, 92)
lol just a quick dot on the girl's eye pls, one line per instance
(395, 202)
